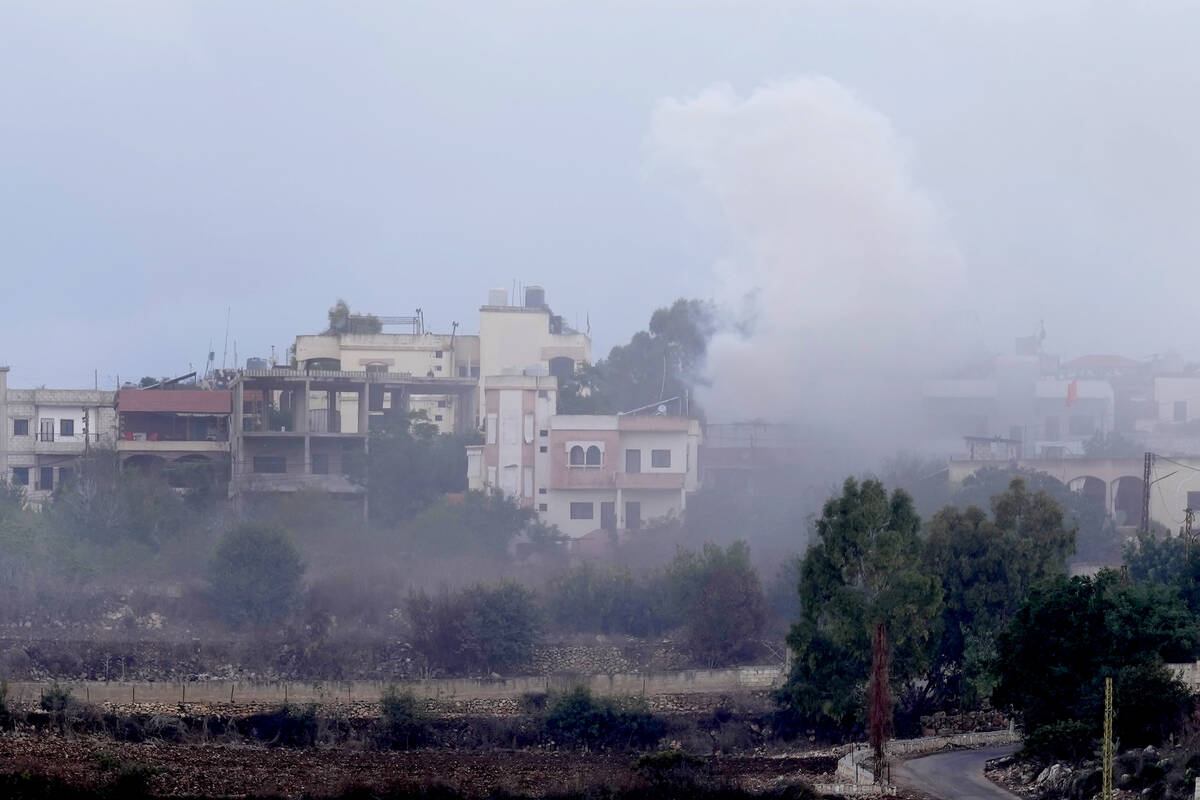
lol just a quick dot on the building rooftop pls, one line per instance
(178, 401)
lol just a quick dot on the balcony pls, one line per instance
(649, 480)
(166, 446)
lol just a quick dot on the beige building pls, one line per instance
(525, 339)
(46, 431)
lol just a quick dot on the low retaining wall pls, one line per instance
(855, 766)
(693, 681)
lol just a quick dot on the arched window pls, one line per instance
(593, 456)
(575, 458)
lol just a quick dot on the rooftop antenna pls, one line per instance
(225, 351)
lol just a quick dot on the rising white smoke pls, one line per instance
(852, 286)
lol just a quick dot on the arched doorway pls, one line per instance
(1091, 487)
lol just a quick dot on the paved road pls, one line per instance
(957, 775)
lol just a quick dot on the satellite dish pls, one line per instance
(662, 409)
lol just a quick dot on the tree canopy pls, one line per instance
(865, 569)
(659, 363)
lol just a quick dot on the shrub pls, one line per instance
(670, 770)
(56, 699)
(720, 598)
(1066, 740)
(402, 719)
(286, 726)
(607, 599)
(481, 628)
(255, 575)
(6, 717)
(579, 719)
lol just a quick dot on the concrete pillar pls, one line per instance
(331, 416)
(364, 409)
(620, 510)
(235, 431)
(300, 408)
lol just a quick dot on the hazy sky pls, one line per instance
(161, 161)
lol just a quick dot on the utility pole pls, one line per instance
(1107, 749)
(1146, 470)
(1188, 514)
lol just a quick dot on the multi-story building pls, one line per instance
(512, 340)
(582, 473)
(46, 431)
(161, 429)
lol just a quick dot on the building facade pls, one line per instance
(46, 431)
(582, 473)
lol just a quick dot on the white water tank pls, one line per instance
(498, 296)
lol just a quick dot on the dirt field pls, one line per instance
(231, 770)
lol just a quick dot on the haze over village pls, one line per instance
(629, 401)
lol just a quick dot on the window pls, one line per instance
(438, 368)
(20, 476)
(633, 516)
(543, 432)
(64, 474)
(543, 449)
(1181, 411)
(592, 459)
(1193, 501)
(376, 368)
(582, 511)
(20, 427)
(660, 458)
(474, 372)
(437, 417)
(437, 353)
(46, 430)
(66, 427)
(46, 479)
(543, 394)
(575, 456)
(1081, 425)
(542, 490)
(633, 460)
(441, 403)
(320, 463)
(543, 507)
(462, 372)
(269, 464)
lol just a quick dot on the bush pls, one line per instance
(6, 717)
(1066, 740)
(255, 575)
(402, 719)
(286, 726)
(578, 719)
(721, 601)
(670, 770)
(56, 699)
(479, 629)
(607, 599)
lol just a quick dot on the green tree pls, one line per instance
(657, 364)
(341, 320)
(409, 465)
(1096, 538)
(1074, 632)
(720, 601)
(106, 503)
(986, 568)
(255, 575)
(865, 568)
(477, 524)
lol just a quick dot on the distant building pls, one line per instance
(46, 431)
(582, 473)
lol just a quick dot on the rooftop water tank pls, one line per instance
(498, 296)
(257, 363)
(535, 297)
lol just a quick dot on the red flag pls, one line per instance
(1072, 392)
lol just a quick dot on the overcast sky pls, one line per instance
(162, 161)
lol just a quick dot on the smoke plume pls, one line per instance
(842, 280)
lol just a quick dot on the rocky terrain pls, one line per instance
(1150, 773)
